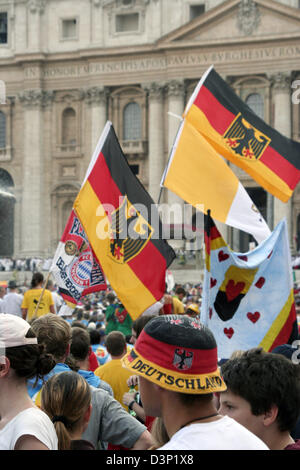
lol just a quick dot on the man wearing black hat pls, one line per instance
(12, 300)
(175, 358)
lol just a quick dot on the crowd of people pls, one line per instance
(97, 380)
(25, 264)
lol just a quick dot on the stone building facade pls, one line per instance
(67, 66)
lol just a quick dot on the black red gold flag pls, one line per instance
(242, 137)
(123, 227)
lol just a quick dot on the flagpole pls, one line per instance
(160, 193)
(41, 296)
(170, 155)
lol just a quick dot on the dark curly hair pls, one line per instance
(30, 360)
(264, 379)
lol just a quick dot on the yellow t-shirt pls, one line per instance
(30, 301)
(116, 376)
(178, 307)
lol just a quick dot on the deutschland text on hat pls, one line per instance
(179, 354)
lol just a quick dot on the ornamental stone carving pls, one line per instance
(155, 90)
(281, 81)
(37, 6)
(175, 88)
(248, 17)
(96, 95)
(36, 97)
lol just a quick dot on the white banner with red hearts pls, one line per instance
(248, 298)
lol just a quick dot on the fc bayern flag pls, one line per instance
(75, 268)
(243, 138)
(123, 227)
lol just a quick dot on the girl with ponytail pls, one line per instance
(66, 398)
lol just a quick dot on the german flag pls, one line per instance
(240, 136)
(123, 227)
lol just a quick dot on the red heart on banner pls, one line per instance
(270, 254)
(260, 282)
(210, 313)
(243, 257)
(222, 256)
(233, 289)
(228, 332)
(253, 316)
(213, 282)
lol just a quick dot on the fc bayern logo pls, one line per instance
(81, 270)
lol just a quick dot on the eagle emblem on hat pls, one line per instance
(245, 141)
(183, 359)
(129, 232)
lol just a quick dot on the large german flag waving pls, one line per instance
(123, 227)
(240, 136)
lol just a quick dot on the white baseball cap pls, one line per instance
(13, 330)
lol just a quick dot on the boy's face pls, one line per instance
(239, 409)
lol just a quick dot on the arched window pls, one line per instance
(132, 122)
(6, 180)
(256, 103)
(66, 211)
(2, 130)
(69, 127)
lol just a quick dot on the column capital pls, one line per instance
(96, 95)
(36, 97)
(175, 88)
(155, 90)
(36, 6)
(281, 81)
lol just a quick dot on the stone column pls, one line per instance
(156, 139)
(175, 90)
(33, 223)
(96, 98)
(282, 123)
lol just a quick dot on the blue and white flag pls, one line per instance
(248, 298)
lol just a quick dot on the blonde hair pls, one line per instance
(66, 397)
(237, 354)
(159, 433)
(54, 333)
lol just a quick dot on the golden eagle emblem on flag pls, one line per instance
(245, 140)
(129, 232)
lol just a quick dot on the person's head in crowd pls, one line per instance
(116, 344)
(66, 398)
(50, 285)
(263, 394)
(175, 358)
(192, 310)
(37, 280)
(80, 347)
(180, 292)
(95, 336)
(79, 315)
(91, 325)
(138, 325)
(23, 357)
(12, 286)
(2, 291)
(111, 298)
(78, 324)
(55, 334)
